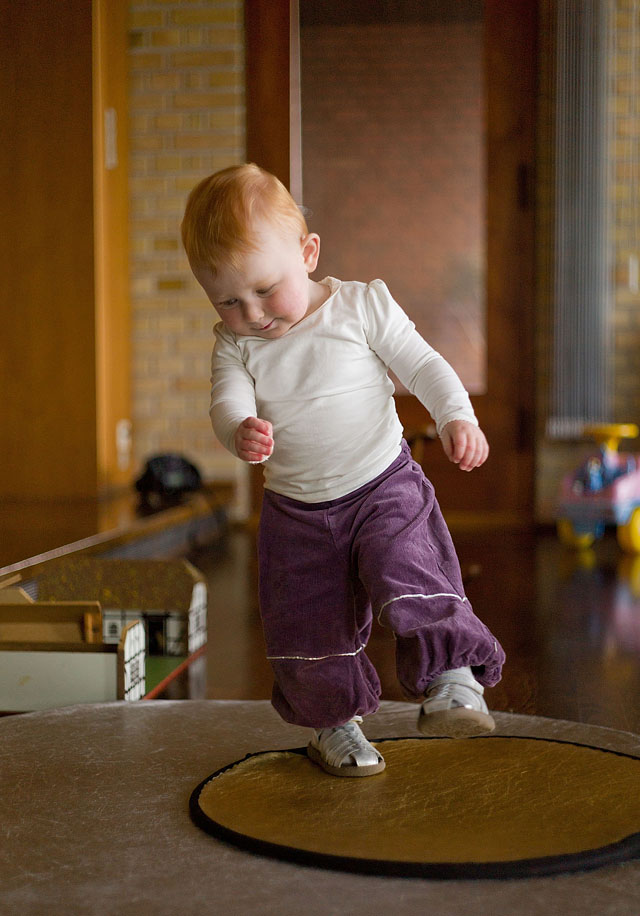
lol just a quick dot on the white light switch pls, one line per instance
(110, 138)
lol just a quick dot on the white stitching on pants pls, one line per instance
(315, 658)
(400, 597)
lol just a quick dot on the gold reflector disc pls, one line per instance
(490, 806)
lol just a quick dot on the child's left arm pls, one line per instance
(464, 444)
(423, 371)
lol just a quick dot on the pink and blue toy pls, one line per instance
(604, 490)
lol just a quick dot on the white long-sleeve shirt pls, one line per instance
(324, 387)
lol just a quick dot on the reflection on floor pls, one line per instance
(570, 625)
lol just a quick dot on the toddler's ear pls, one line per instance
(311, 251)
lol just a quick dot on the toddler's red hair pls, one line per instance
(223, 209)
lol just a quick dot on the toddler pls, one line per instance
(350, 528)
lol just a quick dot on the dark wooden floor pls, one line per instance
(570, 626)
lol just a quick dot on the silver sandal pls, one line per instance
(455, 707)
(344, 751)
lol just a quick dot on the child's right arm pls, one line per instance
(233, 404)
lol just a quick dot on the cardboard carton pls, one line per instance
(52, 654)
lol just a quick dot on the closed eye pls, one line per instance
(266, 292)
(228, 304)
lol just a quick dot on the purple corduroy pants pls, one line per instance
(327, 569)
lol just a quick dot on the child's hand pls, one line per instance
(464, 444)
(254, 440)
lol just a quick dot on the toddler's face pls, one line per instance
(270, 291)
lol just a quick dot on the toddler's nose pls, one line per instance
(254, 313)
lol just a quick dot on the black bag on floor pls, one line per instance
(166, 478)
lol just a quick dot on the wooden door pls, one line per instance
(502, 491)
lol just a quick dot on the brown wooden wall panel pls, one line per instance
(48, 408)
(46, 376)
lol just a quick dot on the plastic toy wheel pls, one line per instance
(629, 534)
(568, 535)
(629, 572)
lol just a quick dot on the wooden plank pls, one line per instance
(51, 622)
(11, 595)
(198, 506)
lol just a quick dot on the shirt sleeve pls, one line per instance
(393, 337)
(233, 396)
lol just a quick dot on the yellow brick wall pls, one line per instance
(187, 114)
